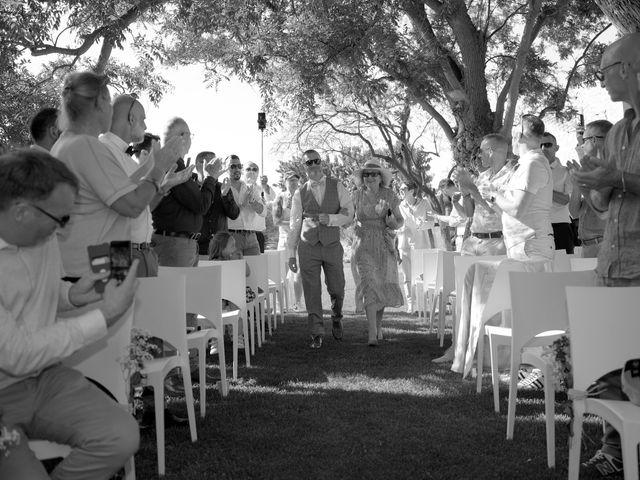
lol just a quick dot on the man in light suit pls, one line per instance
(319, 208)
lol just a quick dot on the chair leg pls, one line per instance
(245, 335)
(130, 469)
(158, 401)
(281, 300)
(513, 392)
(250, 342)
(188, 396)
(480, 360)
(202, 360)
(575, 441)
(222, 360)
(630, 457)
(441, 318)
(549, 414)
(234, 333)
(495, 373)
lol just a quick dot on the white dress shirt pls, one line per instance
(248, 219)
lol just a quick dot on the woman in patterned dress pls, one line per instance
(377, 217)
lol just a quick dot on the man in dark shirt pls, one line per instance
(177, 219)
(215, 220)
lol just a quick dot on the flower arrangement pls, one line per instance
(560, 356)
(9, 437)
(140, 349)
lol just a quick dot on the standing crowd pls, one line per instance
(94, 175)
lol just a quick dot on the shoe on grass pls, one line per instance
(446, 358)
(336, 329)
(605, 464)
(531, 381)
(316, 341)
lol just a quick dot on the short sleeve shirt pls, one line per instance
(102, 181)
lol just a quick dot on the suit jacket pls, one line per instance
(215, 219)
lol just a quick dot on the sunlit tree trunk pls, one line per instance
(624, 14)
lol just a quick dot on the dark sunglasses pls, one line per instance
(251, 169)
(235, 166)
(312, 161)
(599, 74)
(62, 222)
(370, 174)
(546, 145)
(593, 138)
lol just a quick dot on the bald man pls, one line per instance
(128, 126)
(613, 185)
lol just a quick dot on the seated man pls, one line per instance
(39, 396)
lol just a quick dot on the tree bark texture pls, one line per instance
(624, 14)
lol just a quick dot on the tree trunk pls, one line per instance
(105, 55)
(624, 14)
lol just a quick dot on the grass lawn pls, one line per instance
(350, 411)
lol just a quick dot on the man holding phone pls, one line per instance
(39, 395)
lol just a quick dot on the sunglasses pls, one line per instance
(235, 166)
(62, 221)
(593, 138)
(370, 174)
(546, 145)
(599, 74)
(312, 161)
(252, 169)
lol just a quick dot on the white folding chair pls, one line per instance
(204, 297)
(100, 362)
(234, 286)
(538, 317)
(159, 302)
(579, 264)
(603, 320)
(430, 258)
(276, 284)
(258, 279)
(561, 261)
(444, 286)
(417, 280)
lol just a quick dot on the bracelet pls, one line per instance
(624, 185)
(152, 182)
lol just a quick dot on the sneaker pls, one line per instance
(316, 341)
(446, 358)
(336, 329)
(603, 463)
(531, 381)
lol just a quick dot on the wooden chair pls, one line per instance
(538, 317)
(604, 327)
(159, 302)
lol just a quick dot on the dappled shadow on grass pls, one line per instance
(349, 411)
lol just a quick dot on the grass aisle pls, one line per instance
(349, 411)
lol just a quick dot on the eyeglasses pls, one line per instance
(312, 161)
(370, 174)
(62, 221)
(599, 74)
(235, 166)
(252, 169)
(593, 138)
(547, 145)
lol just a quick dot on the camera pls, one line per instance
(114, 257)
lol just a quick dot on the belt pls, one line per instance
(487, 235)
(189, 235)
(592, 241)
(242, 231)
(141, 246)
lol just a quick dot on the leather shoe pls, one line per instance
(336, 329)
(316, 341)
(148, 419)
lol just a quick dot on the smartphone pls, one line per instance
(100, 261)
(120, 253)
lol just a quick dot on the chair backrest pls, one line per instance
(274, 266)
(258, 276)
(604, 330)
(577, 251)
(538, 302)
(579, 264)
(499, 298)
(461, 265)
(204, 290)
(561, 262)
(234, 281)
(160, 309)
(100, 361)
(445, 277)
(430, 259)
(417, 260)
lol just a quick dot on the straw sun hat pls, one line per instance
(372, 165)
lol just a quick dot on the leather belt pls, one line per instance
(592, 241)
(141, 246)
(487, 235)
(189, 235)
(241, 231)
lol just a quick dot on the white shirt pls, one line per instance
(32, 337)
(561, 183)
(142, 225)
(248, 219)
(335, 220)
(533, 175)
(414, 232)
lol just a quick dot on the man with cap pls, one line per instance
(319, 208)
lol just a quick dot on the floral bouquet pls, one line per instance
(140, 349)
(9, 437)
(560, 356)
